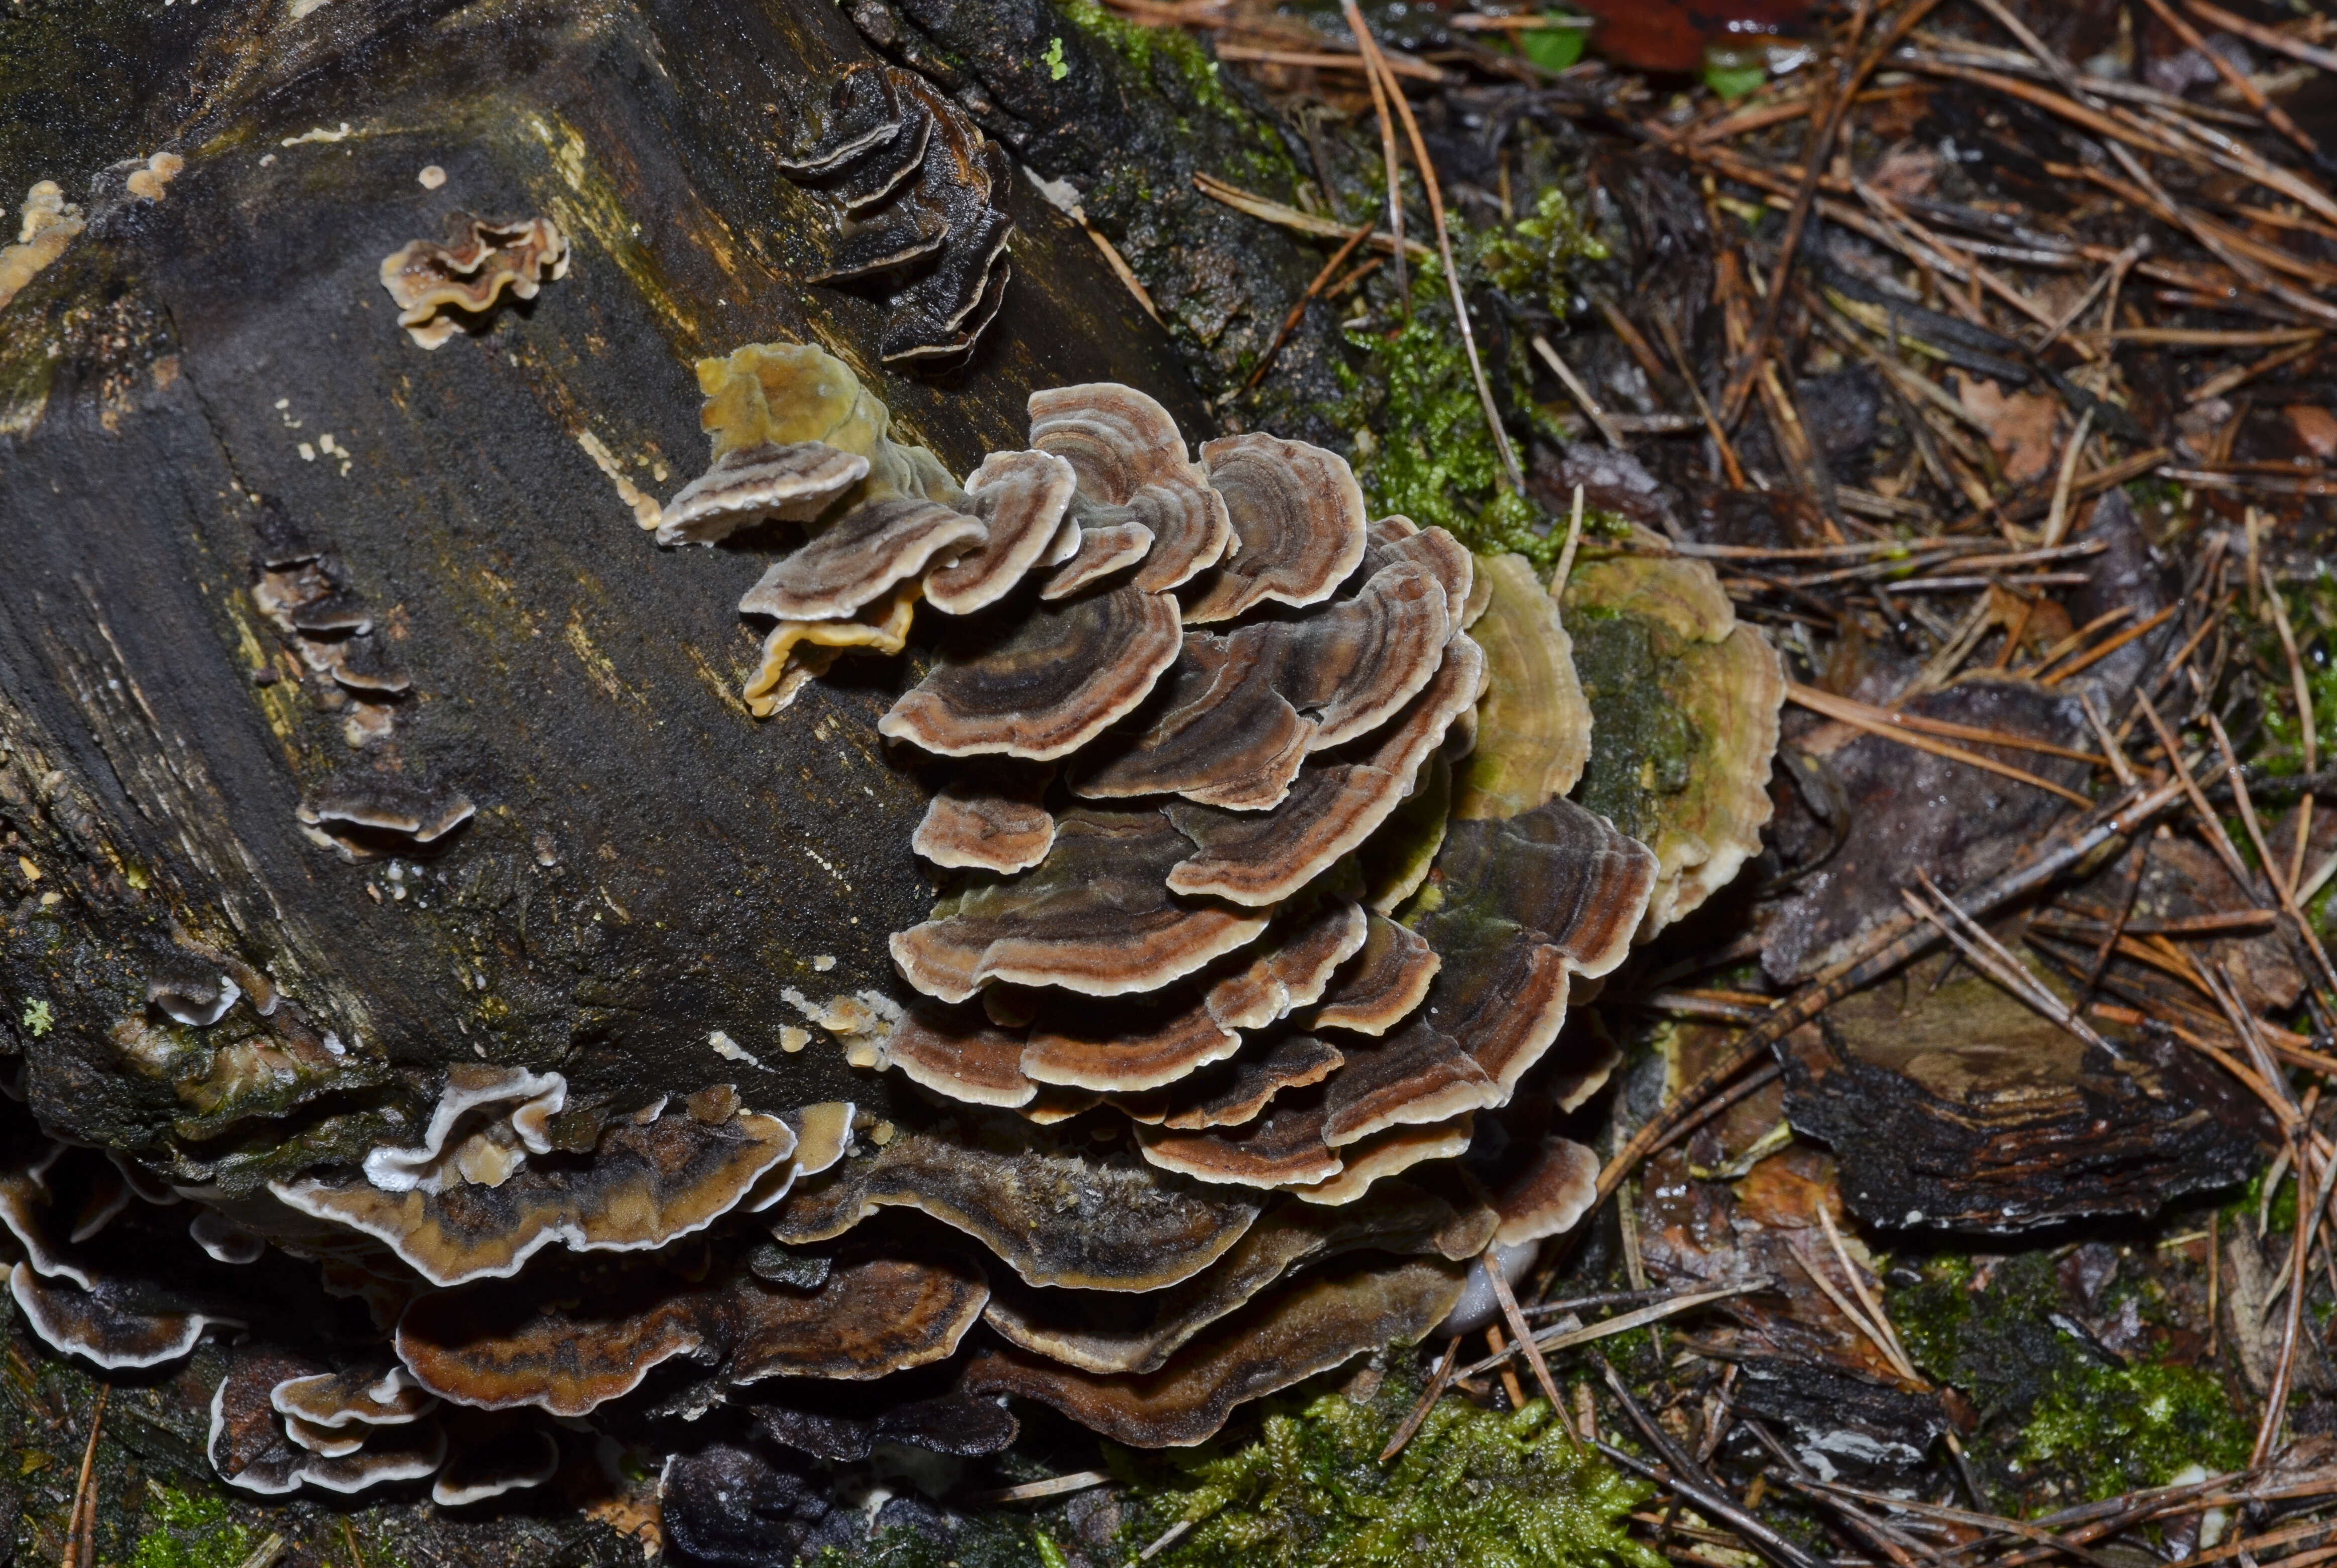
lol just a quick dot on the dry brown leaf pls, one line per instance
(2315, 426)
(2020, 427)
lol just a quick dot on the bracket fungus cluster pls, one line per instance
(1235, 1046)
(371, 807)
(1242, 1016)
(911, 180)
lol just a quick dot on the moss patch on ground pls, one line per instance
(2053, 1410)
(1422, 447)
(190, 1531)
(1473, 1487)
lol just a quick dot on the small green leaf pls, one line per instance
(1734, 69)
(1054, 59)
(1553, 48)
(1050, 1554)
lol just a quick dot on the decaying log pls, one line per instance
(1957, 1109)
(481, 786)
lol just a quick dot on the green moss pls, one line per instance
(191, 1531)
(37, 1020)
(1144, 47)
(2127, 1427)
(2280, 749)
(1422, 447)
(2049, 1409)
(1554, 48)
(1646, 741)
(1536, 255)
(1473, 1487)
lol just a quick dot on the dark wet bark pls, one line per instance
(646, 864)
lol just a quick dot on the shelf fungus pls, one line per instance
(912, 182)
(478, 262)
(1685, 699)
(94, 1270)
(1271, 843)
(485, 1206)
(1261, 896)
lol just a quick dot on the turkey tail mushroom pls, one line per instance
(1258, 894)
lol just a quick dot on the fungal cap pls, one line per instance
(1057, 1217)
(872, 1316)
(1094, 916)
(963, 1058)
(1546, 1198)
(764, 482)
(1389, 1153)
(1388, 979)
(1533, 727)
(1311, 1328)
(858, 558)
(1245, 708)
(378, 803)
(785, 666)
(534, 1099)
(1283, 1148)
(1120, 1051)
(1298, 515)
(1021, 498)
(644, 1186)
(90, 1323)
(1102, 550)
(1134, 472)
(786, 393)
(971, 823)
(512, 1462)
(1054, 683)
(371, 1397)
(1295, 1062)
